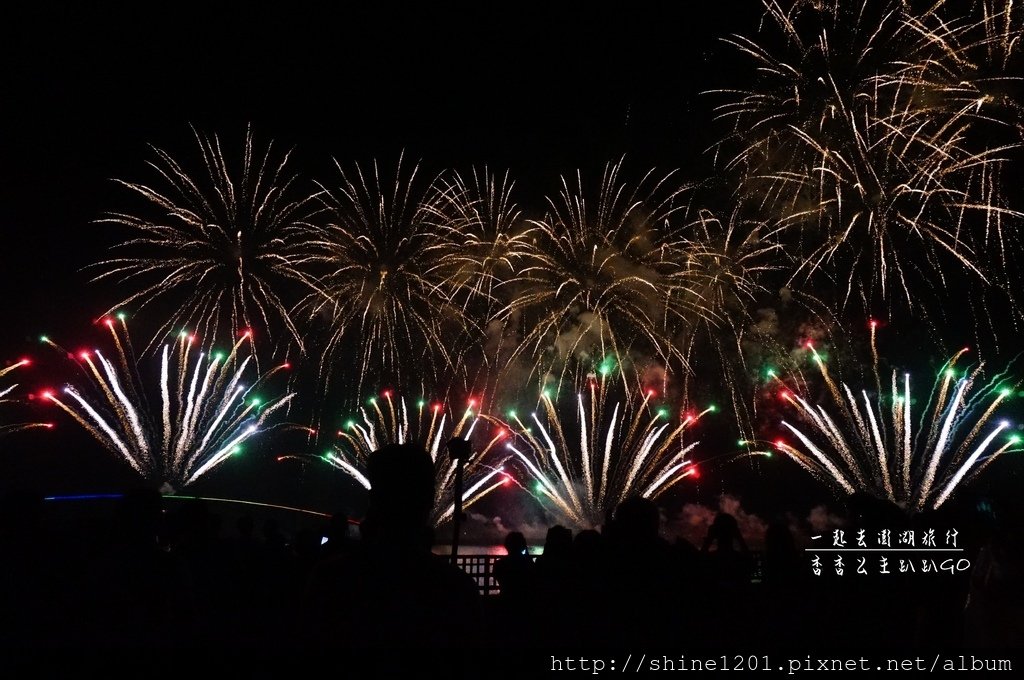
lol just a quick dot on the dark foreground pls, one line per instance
(142, 573)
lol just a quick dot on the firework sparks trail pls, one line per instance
(611, 444)
(7, 396)
(430, 425)
(483, 218)
(490, 244)
(384, 280)
(730, 260)
(874, 443)
(870, 135)
(224, 238)
(204, 414)
(605, 273)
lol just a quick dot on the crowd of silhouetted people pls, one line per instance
(156, 576)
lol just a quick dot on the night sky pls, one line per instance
(85, 91)
(540, 92)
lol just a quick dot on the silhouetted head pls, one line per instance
(588, 545)
(558, 542)
(725, 525)
(637, 518)
(724, 533)
(401, 490)
(515, 543)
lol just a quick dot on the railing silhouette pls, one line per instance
(481, 568)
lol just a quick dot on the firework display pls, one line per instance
(173, 430)
(382, 281)
(860, 168)
(389, 419)
(730, 260)
(885, 444)
(490, 233)
(611, 441)
(605, 273)
(861, 136)
(220, 242)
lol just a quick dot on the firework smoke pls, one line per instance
(605, 273)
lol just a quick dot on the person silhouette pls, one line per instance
(644, 586)
(727, 573)
(514, 572)
(512, 615)
(784, 611)
(141, 595)
(554, 582)
(389, 591)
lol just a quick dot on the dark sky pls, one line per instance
(540, 91)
